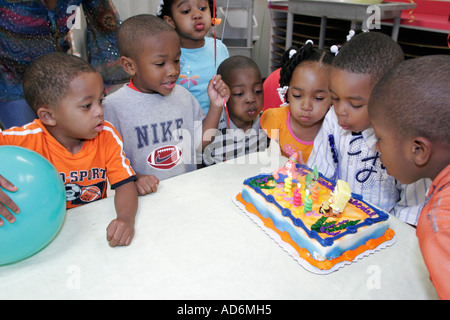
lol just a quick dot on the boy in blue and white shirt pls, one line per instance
(345, 147)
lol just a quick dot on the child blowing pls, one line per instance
(239, 131)
(200, 54)
(67, 93)
(410, 114)
(305, 77)
(345, 146)
(161, 123)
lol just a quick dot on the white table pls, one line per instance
(192, 242)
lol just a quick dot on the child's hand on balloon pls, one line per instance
(6, 202)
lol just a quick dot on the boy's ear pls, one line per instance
(128, 65)
(170, 21)
(45, 114)
(421, 151)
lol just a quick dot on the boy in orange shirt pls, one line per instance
(410, 113)
(66, 93)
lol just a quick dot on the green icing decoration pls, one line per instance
(315, 173)
(262, 182)
(320, 226)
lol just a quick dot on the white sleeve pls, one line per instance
(321, 155)
(412, 199)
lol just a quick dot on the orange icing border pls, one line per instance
(348, 255)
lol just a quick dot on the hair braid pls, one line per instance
(305, 53)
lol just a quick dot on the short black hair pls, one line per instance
(372, 53)
(235, 62)
(414, 98)
(47, 80)
(306, 53)
(136, 28)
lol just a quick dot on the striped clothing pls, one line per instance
(433, 232)
(85, 172)
(233, 142)
(358, 163)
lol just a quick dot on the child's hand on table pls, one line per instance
(146, 184)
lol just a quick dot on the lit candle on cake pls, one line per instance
(288, 185)
(315, 192)
(297, 198)
(308, 181)
(308, 203)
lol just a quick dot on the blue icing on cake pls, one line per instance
(358, 223)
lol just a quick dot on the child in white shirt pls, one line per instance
(345, 147)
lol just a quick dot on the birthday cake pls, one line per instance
(321, 223)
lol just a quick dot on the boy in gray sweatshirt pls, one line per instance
(161, 123)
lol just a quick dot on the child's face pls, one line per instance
(350, 93)
(247, 98)
(79, 114)
(395, 152)
(192, 20)
(157, 67)
(308, 95)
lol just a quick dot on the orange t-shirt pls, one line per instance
(276, 123)
(433, 232)
(85, 172)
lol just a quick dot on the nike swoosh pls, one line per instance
(159, 160)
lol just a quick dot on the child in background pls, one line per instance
(66, 93)
(161, 122)
(305, 76)
(239, 134)
(410, 115)
(345, 146)
(199, 58)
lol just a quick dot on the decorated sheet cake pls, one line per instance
(320, 222)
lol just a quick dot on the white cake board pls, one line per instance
(293, 252)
